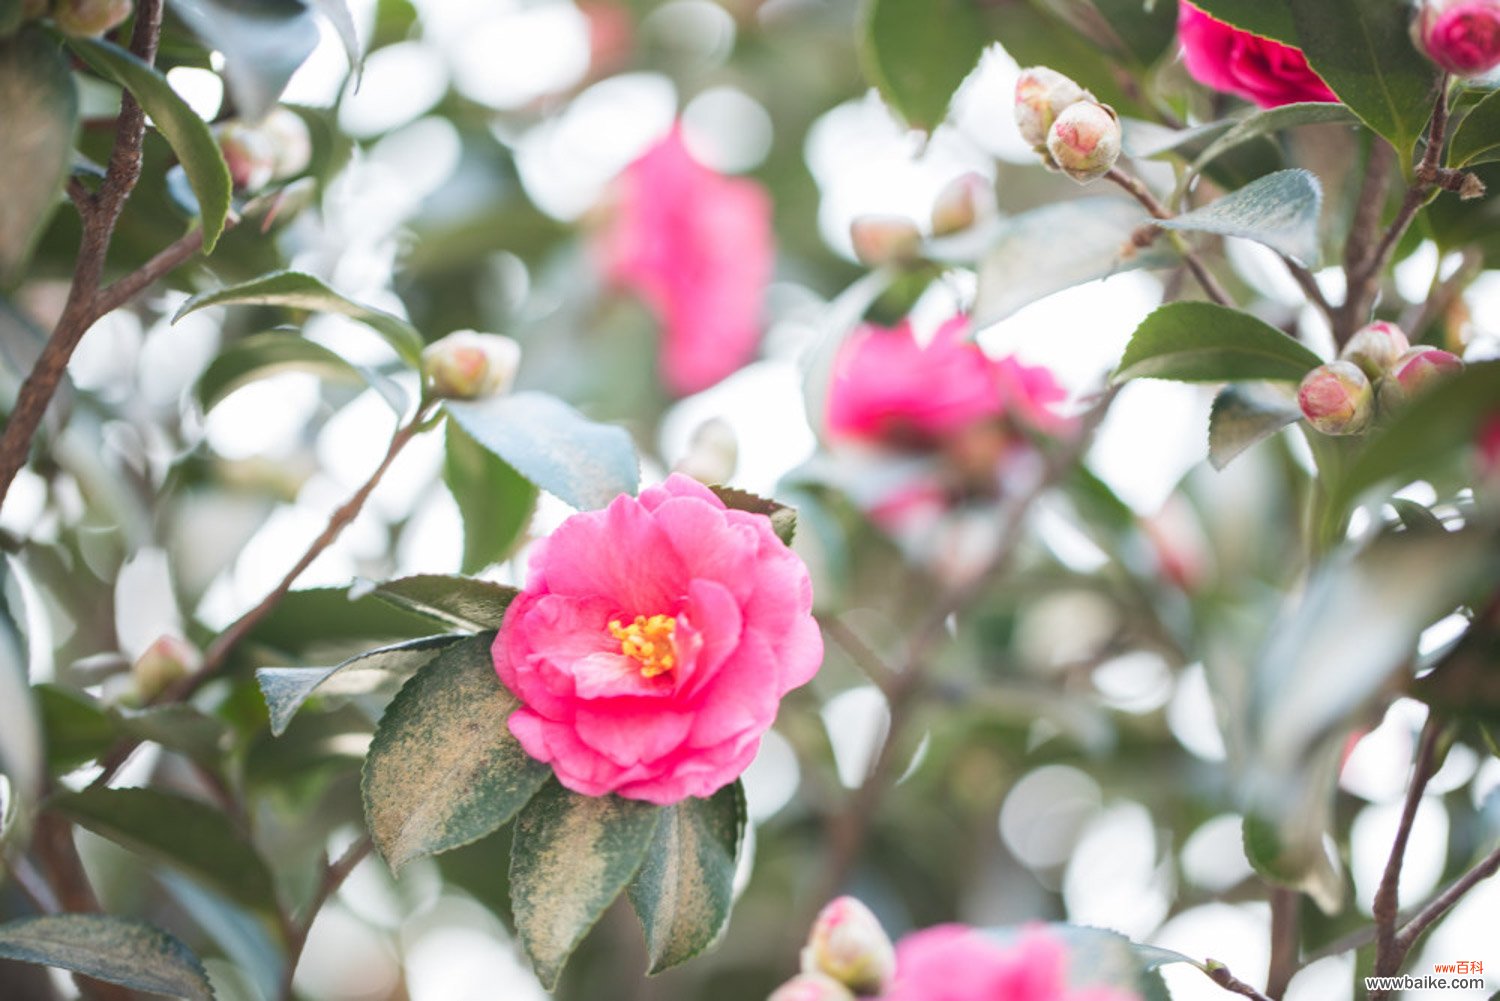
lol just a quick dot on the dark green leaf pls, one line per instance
(456, 601)
(1279, 210)
(580, 462)
(261, 356)
(262, 41)
(685, 889)
(1362, 49)
(36, 141)
(76, 726)
(1416, 517)
(1269, 122)
(1270, 18)
(23, 756)
(116, 950)
(191, 140)
(383, 669)
(1477, 138)
(571, 858)
(495, 501)
(917, 52)
(306, 622)
(1147, 29)
(180, 832)
(1246, 414)
(1034, 35)
(1205, 342)
(179, 728)
(783, 518)
(295, 290)
(443, 769)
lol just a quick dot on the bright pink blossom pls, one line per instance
(888, 388)
(697, 247)
(653, 642)
(1237, 62)
(1461, 36)
(958, 963)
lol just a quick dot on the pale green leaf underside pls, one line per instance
(117, 950)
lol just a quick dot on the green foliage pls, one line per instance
(496, 502)
(263, 44)
(1477, 138)
(1246, 414)
(783, 518)
(1280, 211)
(1269, 122)
(116, 950)
(919, 51)
(261, 356)
(458, 602)
(1205, 342)
(1270, 18)
(36, 140)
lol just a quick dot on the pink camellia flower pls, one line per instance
(888, 388)
(653, 643)
(697, 247)
(958, 963)
(1262, 70)
(1461, 36)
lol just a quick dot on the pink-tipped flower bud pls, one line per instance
(290, 142)
(1337, 398)
(1085, 141)
(1375, 348)
(248, 153)
(882, 239)
(1415, 372)
(1041, 95)
(90, 18)
(811, 987)
(165, 662)
(848, 944)
(1461, 36)
(467, 365)
(964, 201)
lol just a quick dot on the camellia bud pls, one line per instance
(1337, 398)
(1461, 36)
(1375, 348)
(290, 143)
(1416, 371)
(811, 987)
(467, 365)
(1041, 95)
(90, 18)
(1085, 141)
(848, 944)
(964, 201)
(884, 239)
(165, 662)
(248, 153)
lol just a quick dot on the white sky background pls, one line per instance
(506, 53)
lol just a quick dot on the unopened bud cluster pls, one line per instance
(848, 954)
(1068, 128)
(1377, 372)
(467, 365)
(275, 148)
(1461, 36)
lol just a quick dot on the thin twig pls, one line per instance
(1286, 940)
(1219, 974)
(1142, 194)
(334, 875)
(1387, 953)
(1445, 900)
(866, 659)
(1309, 286)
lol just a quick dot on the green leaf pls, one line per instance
(1269, 122)
(189, 135)
(23, 756)
(384, 669)
(1270, 18)
(36, 141)
(1477, 138)
(783, 518)
(1056, 247)
(295, 290)
(1096, 958)
(685, 888)
(179, 728)
(1147, 29)
(444, 769)
(571, 857)
(179, 832)
(455, 601)
(1205, 342)
(1279, 210)
(261, 356)
(116, 950)
(496, 502)
(917, 52)
(580, 462)
(1362, 49)
(306, 622)
(1416, 517)
(1429, 429)
(1246, 414)
(262, 41)
(78, 730)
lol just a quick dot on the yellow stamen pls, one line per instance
(649, 641)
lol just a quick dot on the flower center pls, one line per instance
(649, 641)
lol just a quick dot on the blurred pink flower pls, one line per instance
(1489, 448)
(958, 963)
(1461, 36)
(653, 642)
(1258, 69)
(888, 388)
(697, 247)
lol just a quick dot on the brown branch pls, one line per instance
(1285, 940)
(1309, 286)
(1387, 953)
(334, 875)
(1487, 867)
(1219, 974)
(1142, 194)
(866, 659)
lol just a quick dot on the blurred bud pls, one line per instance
(163, 664)
(90, 18)
(1041, 95)
(1416, 371)
(1337, 398)
(811, 987)
(712, 453)
(967, 199)
(1461, 36)
(884, 239)
(848, 944)
(1375, 348)
(1085, 141)
(467, 365)
(290, 142)
(249, 154)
